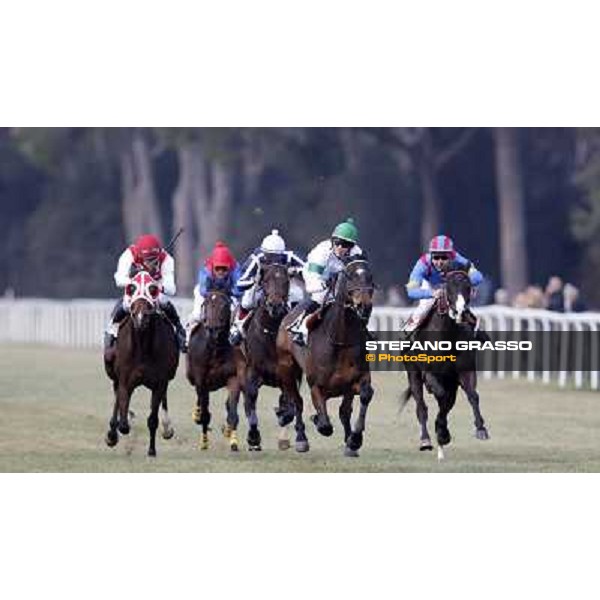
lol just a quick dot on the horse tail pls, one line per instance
(404, 398)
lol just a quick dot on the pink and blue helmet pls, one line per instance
(442, 243)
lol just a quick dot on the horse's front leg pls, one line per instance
(233, 419)
(468, 382)
(155, 403)
(416, 385)
(356, 437)
(112, 435)
(202, 415)
(446, 402)
(250, 402)
(345, 412)
(321, 419)
(123, 399)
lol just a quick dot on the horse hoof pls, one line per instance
(350, 452)
(124, 429)
(255, 448)
(234, 446)
(168, 434)
(151, 452)
(425, 445)
(354, 441)
(482, 434)
(284, 444)
(302, 446)
(111, 439)
(284, 417)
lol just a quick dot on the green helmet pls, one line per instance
(346, 231)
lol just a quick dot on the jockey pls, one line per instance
(272, 250)
(221, 272)
(427, 277)
(148, 255)
(324, 261)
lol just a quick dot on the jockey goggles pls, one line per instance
(342, 243)
(443, 257)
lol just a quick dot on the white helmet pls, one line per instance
(273, 243)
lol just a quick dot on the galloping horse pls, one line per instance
(334, 359)
(212, 363)
(448, 320)
(259, 345)
(145, 353)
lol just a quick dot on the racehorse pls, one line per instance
(334, 358)
(213, 363)
(145, 353)
(259, 347)
(449, 319)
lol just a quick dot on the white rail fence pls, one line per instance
(81, 323)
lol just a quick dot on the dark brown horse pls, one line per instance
(212, 364)
(450, 319)
(145, 353)
(259, 346)
(334, 358)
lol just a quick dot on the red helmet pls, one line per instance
(221, 256)
(147, 248)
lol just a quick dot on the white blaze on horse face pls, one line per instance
(460, 307)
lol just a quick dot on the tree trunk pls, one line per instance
(202, 204)
(183, 216)
(431, 219)
(509, 183)
(139, 202)
(222, 200)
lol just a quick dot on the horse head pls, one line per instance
(275, 283)
(355, 287)
(217, 314)
(458, 293)
(141, 294)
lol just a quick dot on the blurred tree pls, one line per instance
(140, 207)
(511, 218)
(585, 216)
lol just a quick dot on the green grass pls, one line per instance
(55, 405)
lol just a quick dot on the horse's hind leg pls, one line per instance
(284, 408)
(468, 382)
(355, 440)
(112, 435)
(167, 429)
(157, 396)
(288, 374)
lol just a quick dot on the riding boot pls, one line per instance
(117, 315)
(236, 334)
(173, 317)
(298, 328)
